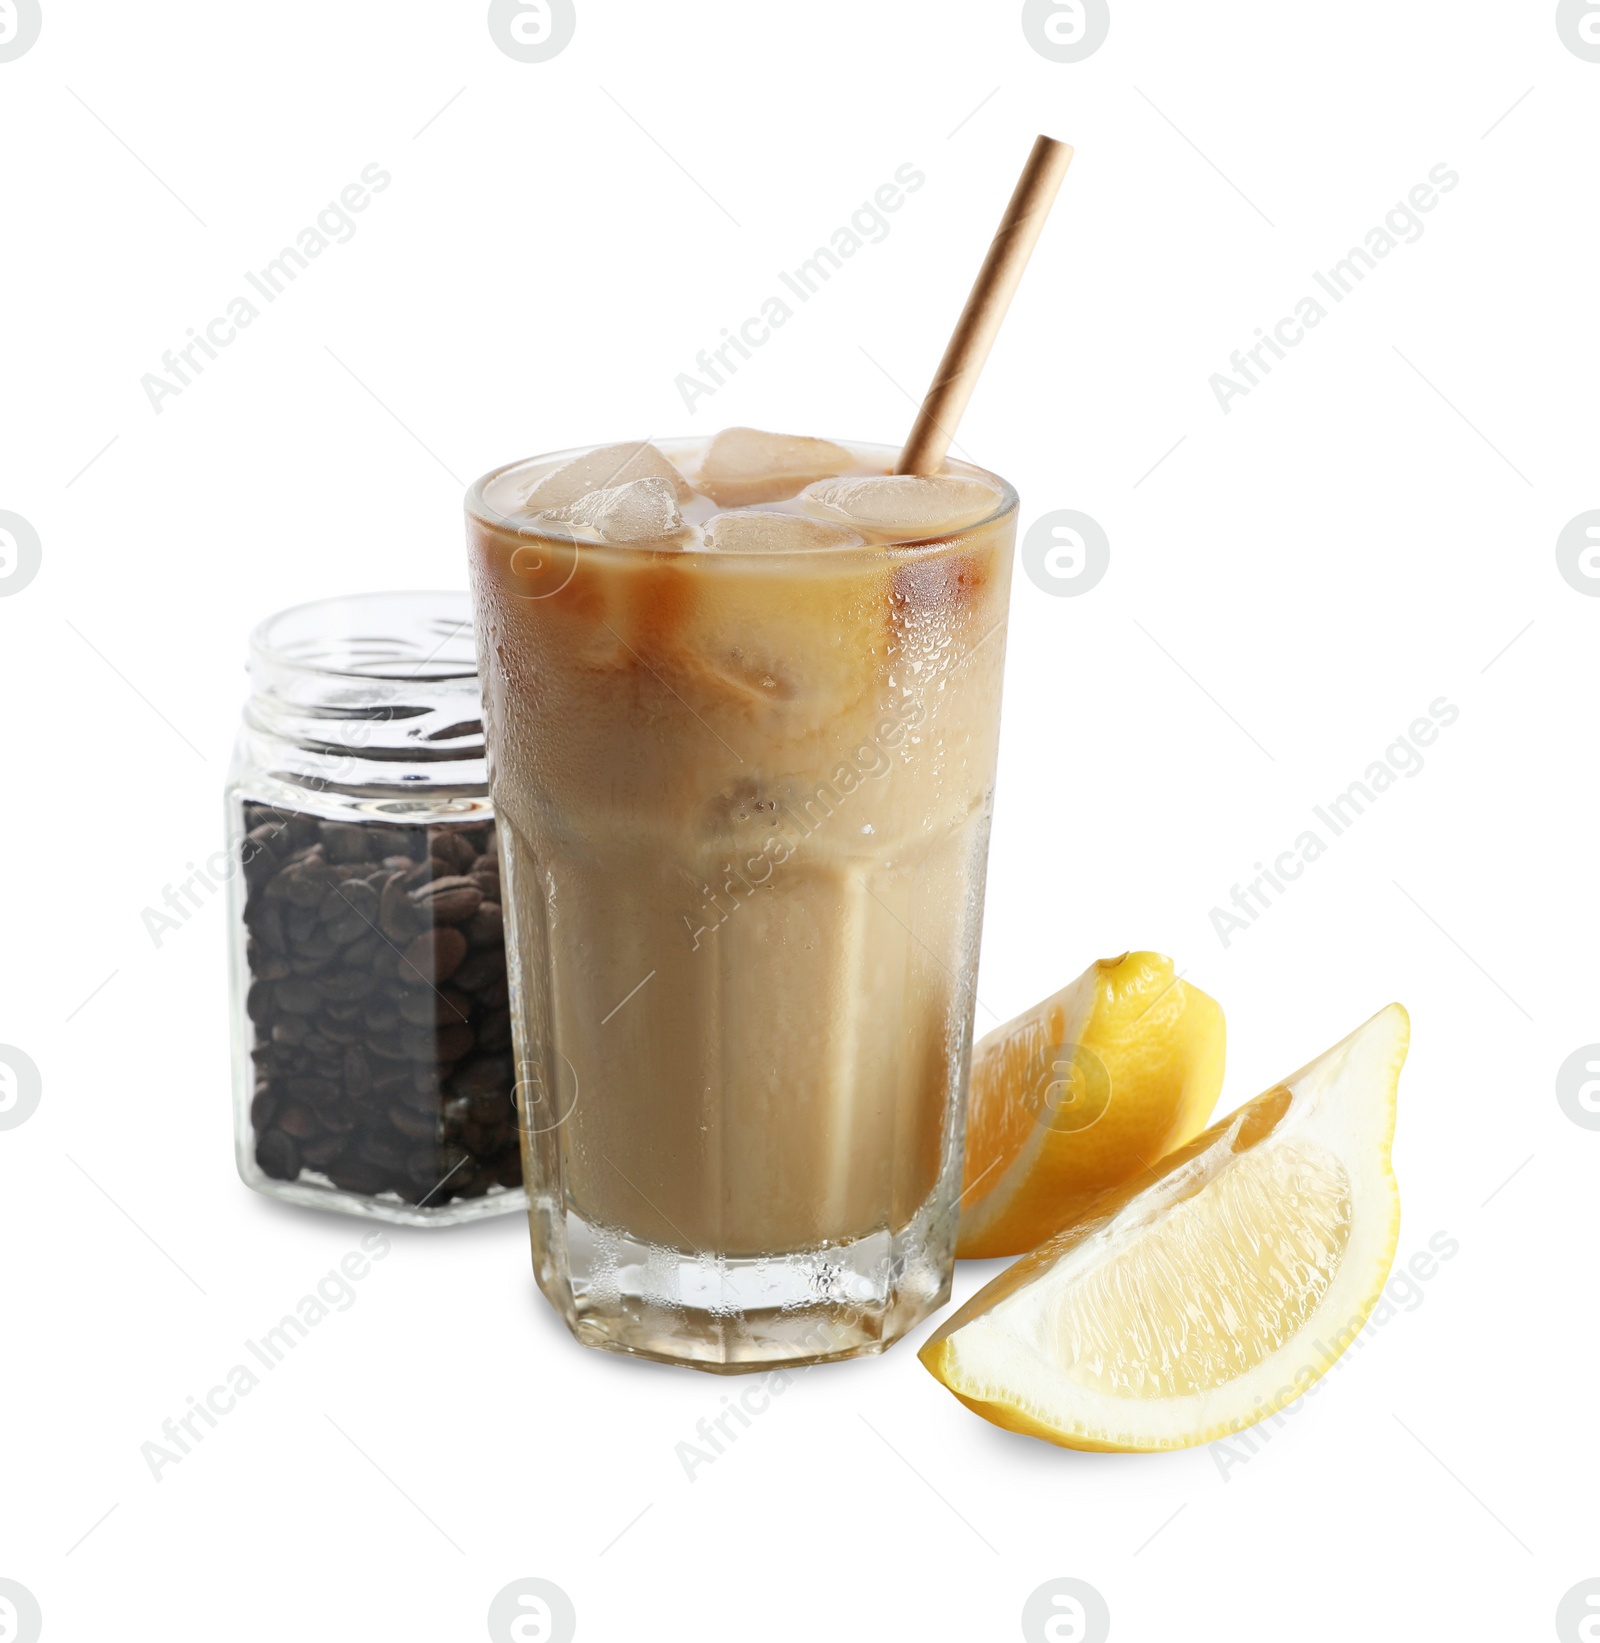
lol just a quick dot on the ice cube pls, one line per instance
(744, 465)
(607, 468)
(909, 505)
(643, 510)
(759, 532)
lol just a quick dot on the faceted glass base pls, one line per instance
(733, 1315)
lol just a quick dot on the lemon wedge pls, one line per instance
(1182, 1310)
(1086, 1091)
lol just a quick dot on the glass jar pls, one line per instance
(373, 1068)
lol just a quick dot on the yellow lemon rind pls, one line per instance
(965, 1352)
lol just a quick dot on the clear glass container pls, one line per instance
(744, 800)
(373, 1068)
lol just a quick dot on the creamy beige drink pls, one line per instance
(742, 699)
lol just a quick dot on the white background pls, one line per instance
(1293, 584)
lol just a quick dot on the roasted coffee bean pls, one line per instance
(452, 848)
(306, 883)
(299, 923)
(454, 1042)
(348, 986)
(361, 952)
(318, 947)
(325, 1150)
(354, 1174)
(494, 1030)
(435, 956)
(386, 1151)
(338, 1118)
(300, 832)
(259, 866)
(448, 901)
(491, 1108)
(266, 920)
(376, 957)
(344, 844)
(314, 1090)
(423, 1091)
(480, 1140)
(481, 970)
(483, 1074)
(487, 927)
(357, 1072)
(414, 1125)
(268, 838)
(346, 931)
(384, 842)
(278, 1155)
(371, 1109)
(298, 1122)
(354, 898)
(426, 871)
(398, 916)
(430, 1074)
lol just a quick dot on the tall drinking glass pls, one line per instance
(744, 803)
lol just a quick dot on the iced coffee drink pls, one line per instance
(742, 698)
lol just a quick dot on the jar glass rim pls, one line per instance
(405, 635)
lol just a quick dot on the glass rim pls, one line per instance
(478, 509)
(268, 650)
